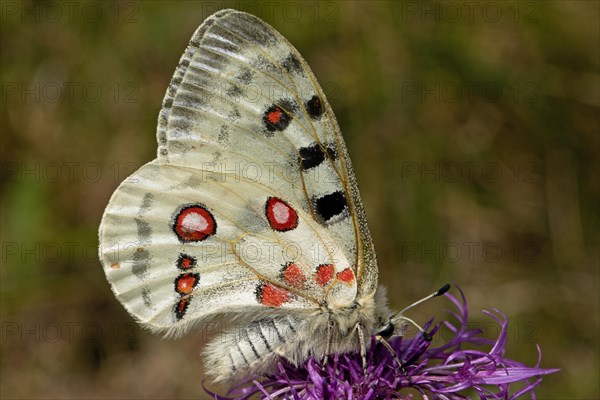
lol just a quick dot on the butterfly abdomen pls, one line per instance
(253, 347)
(256, 347)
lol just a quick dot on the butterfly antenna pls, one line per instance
(425, 335)
(438, 292)
(399, 316)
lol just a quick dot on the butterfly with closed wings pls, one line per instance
(250, 213)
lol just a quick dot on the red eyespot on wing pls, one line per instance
(281, 216)
(270, 295)
(186, 262)
(346, 276)
(274, 116)
(276, 119)
(194, 223)
(324, 274)
(182, 306)
(293, 276)
(185, 283)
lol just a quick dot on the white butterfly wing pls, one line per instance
(251, 202)
(235, 68)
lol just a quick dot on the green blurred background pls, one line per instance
(474, 132)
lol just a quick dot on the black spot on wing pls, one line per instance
(313, 155)
(314, 107)
(330, 205)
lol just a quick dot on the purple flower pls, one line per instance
(449, 371)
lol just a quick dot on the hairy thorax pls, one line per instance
(338, 329)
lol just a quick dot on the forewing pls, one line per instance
(237, 68)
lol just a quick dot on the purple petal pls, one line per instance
(443, 372)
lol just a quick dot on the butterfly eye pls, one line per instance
(387, 330)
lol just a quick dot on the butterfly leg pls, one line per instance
(361, 345)
(385, 344)
(328, 339)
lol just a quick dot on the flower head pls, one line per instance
(450, 371)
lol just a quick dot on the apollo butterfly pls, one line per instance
(251, 210)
